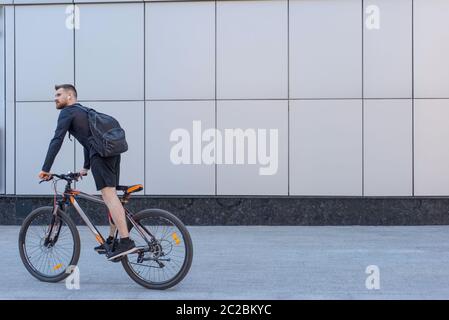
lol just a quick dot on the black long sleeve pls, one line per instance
(74, 120)
(86, 159)
(64, 122)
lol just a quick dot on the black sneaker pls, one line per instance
(124, 247)
(101, 249)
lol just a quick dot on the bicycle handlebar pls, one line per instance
(69, 177)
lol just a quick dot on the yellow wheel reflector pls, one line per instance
(57, 267)
(175, 237)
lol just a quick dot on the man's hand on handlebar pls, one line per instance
(83, 172)
(44, 175)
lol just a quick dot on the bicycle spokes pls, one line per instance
(48, 245)
(161, 258)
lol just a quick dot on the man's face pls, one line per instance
(62, 98)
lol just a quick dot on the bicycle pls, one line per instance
(49, 242)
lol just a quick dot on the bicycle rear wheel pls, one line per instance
(167, 260)
(49, 244)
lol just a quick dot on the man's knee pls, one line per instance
(108, 192)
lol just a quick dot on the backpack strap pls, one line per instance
(82, 107)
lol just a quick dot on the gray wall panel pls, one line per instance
(431, 149)
(246, 178)
(388, 148)
(326, 147)
(325, 49)
(44, 52)
(2, 145)
(10, 102)
(2, 101)
(109, 52)
(162, 175)
(180, 50)
(252, 49)
(431, 48)
(41, 1)
(388, 50)
(109, 1)
(174, 0)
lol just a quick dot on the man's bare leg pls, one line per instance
(116, 209)
(112, 229)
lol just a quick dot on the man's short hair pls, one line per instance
(67, 87)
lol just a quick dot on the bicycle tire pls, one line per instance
(23, 250)
(185, 236)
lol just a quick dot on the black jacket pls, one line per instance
(75, 121)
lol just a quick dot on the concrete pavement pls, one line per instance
(263, 262)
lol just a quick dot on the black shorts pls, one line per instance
(106, 171)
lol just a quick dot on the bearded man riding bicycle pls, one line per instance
(105, 170)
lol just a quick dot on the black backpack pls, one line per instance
(108, 138)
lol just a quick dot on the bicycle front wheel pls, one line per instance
(166, 260)
(49, 244)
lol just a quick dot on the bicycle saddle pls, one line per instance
(130, 189)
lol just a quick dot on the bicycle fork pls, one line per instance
(53, 230)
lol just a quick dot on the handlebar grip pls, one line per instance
(51, 177)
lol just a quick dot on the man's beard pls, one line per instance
(61, 106)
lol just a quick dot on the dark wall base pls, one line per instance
(260, 210)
